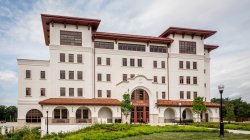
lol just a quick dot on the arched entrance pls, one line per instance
(105, 114)
(169, 115)
(83, 115)
(187, 114)
(140, 100)
(34, 116)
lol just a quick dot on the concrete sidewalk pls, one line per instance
(238, 131)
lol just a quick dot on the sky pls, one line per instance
(21, 33)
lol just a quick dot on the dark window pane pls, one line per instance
(71, 38)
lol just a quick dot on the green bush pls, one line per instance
(236, 126)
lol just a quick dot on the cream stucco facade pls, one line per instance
(142, 79)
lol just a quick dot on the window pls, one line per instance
(99, 93)
(139, 62)
(132, 75)
(188, 79)
(159, 49)
(124, 61)
(194, 80)
(62, 57)
(34, 116)
(108, 77)
(71, 58)
(28, 91)
(155, 64)
(62, 74)
(62, 91)
(79, 92)
(162, 64)
(187, 64)
(108, 61)
(163, 95)
(28, 74)
(163, 79)
(108, 93)
(181, 64)
(60, 113)
(42, 91)
(205, 85)
(104, 45)
(131, 47)
(99, 77)
(42, 74)
(194, 65)
(204, 71)
(187, 47)
(70, 38)
(71, 91)
(71, 75)
(79, 58)
(79, 75)
(124, 77)
(155, 79)
(181, 80)
(181, 94)
(132, 62)
(195, 95)
(188, 95)
(99, 61)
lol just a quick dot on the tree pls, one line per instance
(126, 105)
(230, 112)
(199, 106)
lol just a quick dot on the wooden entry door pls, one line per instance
(140, 100)
(206, 117)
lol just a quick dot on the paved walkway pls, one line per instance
(238, 131)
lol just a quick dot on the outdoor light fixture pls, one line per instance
(47, 111)
(180, 110)
(221, 88)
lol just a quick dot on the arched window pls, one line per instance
(34, 116)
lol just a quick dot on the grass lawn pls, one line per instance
(189, 136)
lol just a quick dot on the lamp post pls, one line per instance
(47, 120)
(221, 88)
(180, 111)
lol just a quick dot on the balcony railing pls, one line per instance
(60, 120)
(83, 121)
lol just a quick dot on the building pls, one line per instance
(88, 72)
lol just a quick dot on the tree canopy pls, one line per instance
(126, 105)
(198, 106)
(8, 113)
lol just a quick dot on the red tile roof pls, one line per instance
(187, 31)
(128, 37)
(77, 101)
(183, 103)
(210, 47)
(46, 19)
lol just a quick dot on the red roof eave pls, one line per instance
(183, 103)
(77, 101)
(46, 19)
(210, 47)
(127, 37)
(188, 31)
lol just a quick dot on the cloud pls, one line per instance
(7, 76)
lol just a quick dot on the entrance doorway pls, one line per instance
(140, 100)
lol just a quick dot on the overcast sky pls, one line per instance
(21, 34)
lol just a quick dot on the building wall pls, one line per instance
(143, 75)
